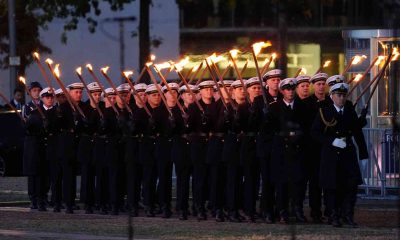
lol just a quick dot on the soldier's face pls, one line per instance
(154, 99)
(110, 100)
(273, 83)
(216, 95)
(224, 94)
(319, 87)
(254, 91)
(34, 92)
(303, 90)
(61, 98)
(76, 94)
(18, 96)
(207, 93)
(339, 99)
(288, 94)
(171, 97)
(96, 96)
(187, 98)
(124, 97)
(48, 101)
(141, 95)
(239, 93)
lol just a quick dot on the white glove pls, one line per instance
(338, 142)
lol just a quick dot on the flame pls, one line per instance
(89, 66)
(395, 54)
(152, 57)
(127, 74)
(303, 71)
(327, 63)
(234, 53)
(36, 55)
(57, 70)
(49, 61)
(274, 55)
(380, 59)
(78, 70)
(265, 61)
(104, 69)
(22, 79)
(357, 59)
(162, 65)
(258, 46)
(357, 77)
(182, 62)
(194, 69)
(214, 58)
(148, 64)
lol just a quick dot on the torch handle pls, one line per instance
(244, 68)
(195, 74)
(239, 75)
(202, 75)
(223, 86)
(158, 89)
(266, 66)
(136, 93)
(259, 77)
(190, 91)
(216, 83)
(140, 75)
(297, 73)
(43, 72)
(116, 92)
(90, 95)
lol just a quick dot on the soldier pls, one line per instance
(146, 151)
(334, 127)
(214, 158)
(272, 79)
(313, 148)
(35, 164)
(134, 168)
(165, 124)
(104, 133)
(67, 139)
(60, 96)
(200, 124)
(302, 86)
(85, 147)
(286, 124)
(180, 154)
(34, 93)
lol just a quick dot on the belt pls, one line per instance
(185, 136)
(290, 133)
(199, 134)
(217, 134)
(67, 130)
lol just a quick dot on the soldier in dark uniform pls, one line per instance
(34, 92)
(85, 148)
(180, 153)
(286, 123)
(35, 164)
(134, 168)
(303, 86)
(334, 127)
(313, 148)
(200, 123)
(147, 150)
(214, 158)
(165, 124)
(104, 133)
(267, 202)
(67, 141)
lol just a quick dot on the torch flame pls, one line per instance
(274, 55)
(104, 69)
(303, 71)
(127, 74)
(195, 68)
(258, 46)
(327, 63)
(78, 70)
(357, 59)
(182, 62)
(214, 58)
(148, 64)
(357, 77)
(266, 61)
(380, 59)
(162, 65)
(49, 61)
(36, 55)
(22, 79)
(89, 66)
(234, 53)
(57, 70)
(152, 57)
(395, 54)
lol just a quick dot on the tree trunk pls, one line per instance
(144, 36)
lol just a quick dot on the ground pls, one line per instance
(377, 219)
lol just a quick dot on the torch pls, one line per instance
(41, 68)
(126, 75)
(267, 63)
(300, 71)
(233, 54)
(169, 89)
(216, 82)
(56, 74)
(90, 69)
(104, 72)
(196, 70)
(326, 64)
(12, 107)
(79, 73)
(226, 70)
(354, 60)
(157, 86)
(255, 50)
(244, 68)
(22, 80)
(377, 60)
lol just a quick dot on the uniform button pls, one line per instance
(45, 138)
(337, 132)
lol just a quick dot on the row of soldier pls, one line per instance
(226, 141)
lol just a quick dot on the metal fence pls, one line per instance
(381, 171)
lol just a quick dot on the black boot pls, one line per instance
(88, 209)
(334, 219)
(348, 220)
(184, 215)
(233, 217)
(219, 216)
(283, 217)
(299, 214)
(149, 212)
(166, 212)
(69, 210)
